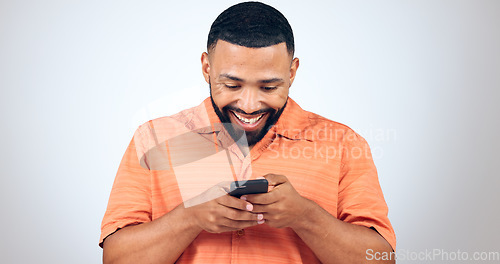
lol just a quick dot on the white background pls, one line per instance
(418, 79)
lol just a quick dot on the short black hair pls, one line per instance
(252, 25)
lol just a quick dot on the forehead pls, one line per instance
(235, 59)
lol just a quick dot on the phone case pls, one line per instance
(239, 188)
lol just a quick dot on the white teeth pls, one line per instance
(248, 121)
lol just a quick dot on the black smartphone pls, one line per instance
(239, 188)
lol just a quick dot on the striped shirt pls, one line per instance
(173, 159)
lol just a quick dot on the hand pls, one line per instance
(222, 214)
(282, 206)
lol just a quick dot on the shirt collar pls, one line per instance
(292, 122)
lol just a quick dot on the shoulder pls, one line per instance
(163, 128)
(314, 127)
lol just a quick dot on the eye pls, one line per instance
(269, 88)
(231, 86)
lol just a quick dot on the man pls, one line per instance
(324, 205)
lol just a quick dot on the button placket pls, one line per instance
(236, 160)
(244, 168)
(236, 151)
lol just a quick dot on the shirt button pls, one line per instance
(240, 232)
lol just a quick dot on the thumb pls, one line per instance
(275, 179)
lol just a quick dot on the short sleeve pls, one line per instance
(130, 199)
(361, 200)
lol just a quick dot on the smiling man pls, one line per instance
(324, 203)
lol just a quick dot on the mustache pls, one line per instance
(237, 110)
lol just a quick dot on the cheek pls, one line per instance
(278, 100)
(220, 97)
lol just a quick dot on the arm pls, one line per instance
(143, 239)
(152, 242)
(335, 241)
(332, 240)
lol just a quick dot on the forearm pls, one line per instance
(160, 241)
(335, 241)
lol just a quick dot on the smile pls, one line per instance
(248, 120)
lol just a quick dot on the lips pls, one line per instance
(248, 120)
(248, 123)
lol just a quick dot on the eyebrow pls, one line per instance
(273, 80)
(234, 78)
(231, 77)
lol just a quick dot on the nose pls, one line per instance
(250, 100)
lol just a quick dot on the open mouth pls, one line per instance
(248, 123)
(248, 120)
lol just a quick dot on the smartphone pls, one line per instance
(239, 188)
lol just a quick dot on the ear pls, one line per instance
(293, 69)
(205, 66)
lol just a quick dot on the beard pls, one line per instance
(236, 133)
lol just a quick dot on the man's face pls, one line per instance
(249, 86)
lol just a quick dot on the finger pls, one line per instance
(263, 209)
(227, 225)
(262, 198)
(235, 203)
(275, 179)
(239, 215)
(230, 225)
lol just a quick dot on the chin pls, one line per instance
(236, 132)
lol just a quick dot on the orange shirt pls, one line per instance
(172, 159)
